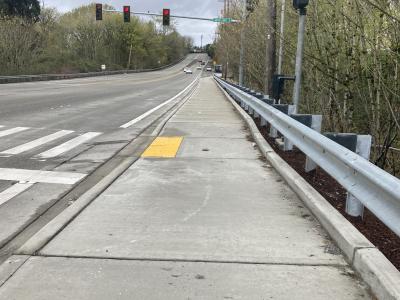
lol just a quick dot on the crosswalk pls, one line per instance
(54, 144)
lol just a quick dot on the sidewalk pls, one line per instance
(207, 218)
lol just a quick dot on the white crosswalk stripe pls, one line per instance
(67, 146)
(36, 143)
(40, 176)
(12, 131)
(14, 191)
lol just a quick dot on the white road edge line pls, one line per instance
(69, 145)
(36, 143)
(134, 121)
(14, 191)
(40, 176)
(12, 131)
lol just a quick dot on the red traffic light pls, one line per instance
(166, 16)
(127, 14)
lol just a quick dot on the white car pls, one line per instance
(188, 71)
(209, 69)
(198, 68)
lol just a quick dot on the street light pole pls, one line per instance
(299, 53)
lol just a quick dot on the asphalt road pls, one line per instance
(53, 134)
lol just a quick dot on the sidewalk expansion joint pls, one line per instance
(182, 260)
(11, 274)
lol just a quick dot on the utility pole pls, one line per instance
(270, 48)
(226, 15)
(242, 42)
(129, 58)
(301, 6)
(224, 8)
(281, 37)
(201, 44)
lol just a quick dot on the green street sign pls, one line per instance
(223, 20)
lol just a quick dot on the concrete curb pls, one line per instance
(374, 268)
(50, 77)
(48, 232)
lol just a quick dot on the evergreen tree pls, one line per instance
(24, 8)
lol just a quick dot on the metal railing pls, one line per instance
(49, 77)
(378, 190)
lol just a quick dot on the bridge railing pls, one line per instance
(377, 190)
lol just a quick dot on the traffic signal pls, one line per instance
(166, 16)
(251, 5)
(300, 4)
(127, 14)
(99, 12)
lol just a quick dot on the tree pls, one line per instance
(29, 9)
(210, 49)
(351, 65)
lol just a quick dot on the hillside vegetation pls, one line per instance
(351, 64)
(50, 42)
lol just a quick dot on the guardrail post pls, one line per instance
(288, 110)
(258, 96)
(360, 144)
(315, 123)
(354, 207)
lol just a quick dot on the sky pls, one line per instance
(193, 8)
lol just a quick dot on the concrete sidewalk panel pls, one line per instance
(238, 210)
(209, 130)
(10, 266)
(94, 279)
(218, 148)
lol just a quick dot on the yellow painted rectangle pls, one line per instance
(163, 147)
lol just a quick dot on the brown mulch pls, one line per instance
(372, 228)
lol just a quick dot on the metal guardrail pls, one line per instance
(378, 190)
(49, 77)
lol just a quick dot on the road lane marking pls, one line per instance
(36, 143)
(146, 114)
(67, 146)
(12, 131)
(40, 176)
(14, 191)
(163, 147)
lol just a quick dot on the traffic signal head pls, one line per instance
(251, 5)
(300, 4)
(127, 14)
(99, 12)
(166, 16)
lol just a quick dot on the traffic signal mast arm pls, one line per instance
(219, 20)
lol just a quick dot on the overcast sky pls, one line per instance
(200, 8)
